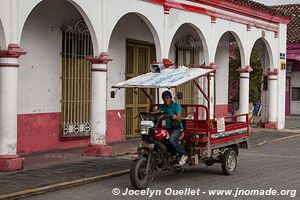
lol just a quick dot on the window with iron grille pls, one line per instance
(187, 53)
(76, 81)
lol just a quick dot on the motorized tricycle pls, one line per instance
(206, 139)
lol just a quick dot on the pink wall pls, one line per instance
(40, 132)
(287, 96)
(115, 126)
(221, 110)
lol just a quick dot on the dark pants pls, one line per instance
(174, 140)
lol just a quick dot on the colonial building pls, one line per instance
(59, 59)
(293, 59)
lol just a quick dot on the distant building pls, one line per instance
(293, 59)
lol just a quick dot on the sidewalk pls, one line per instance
(67, 168)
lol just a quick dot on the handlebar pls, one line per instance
(161, 114)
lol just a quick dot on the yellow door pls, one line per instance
(138, 58)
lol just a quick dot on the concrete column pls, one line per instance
(98, 146)
(272, 90)
(212, 65)
(212, 87)
(244, 90)
(165, 48)
(9, 160)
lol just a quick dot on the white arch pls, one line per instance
(154, 32)
(79, 8)
(2, 36)
(200, 34)
(269, 51)
(240, 45)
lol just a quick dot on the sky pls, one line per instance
(277, 2)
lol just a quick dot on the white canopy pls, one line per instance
(167, 78)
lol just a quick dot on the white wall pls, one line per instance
(40, 69)
(130, 26)
(281, 45)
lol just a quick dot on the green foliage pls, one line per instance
(255, 76)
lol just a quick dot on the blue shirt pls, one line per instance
(172, 110)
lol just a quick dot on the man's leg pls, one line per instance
(174, 140)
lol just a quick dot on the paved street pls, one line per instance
(274, 165)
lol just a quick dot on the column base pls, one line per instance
(271, 125)
(99, 150)
(11, 164)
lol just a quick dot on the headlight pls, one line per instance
(145, 131)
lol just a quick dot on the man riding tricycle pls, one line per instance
(175, 136)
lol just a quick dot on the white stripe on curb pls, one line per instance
(277, 140)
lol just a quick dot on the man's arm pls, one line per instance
(177, 116)
(178, 113)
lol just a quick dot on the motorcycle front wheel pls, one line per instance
(138, 176)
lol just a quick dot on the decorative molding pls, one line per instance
(213, 19)
(247, 69)
(245, 77)
(76, 130)
(98, 70)
(276, 34)
(103, 58)
(167, 8)
(273, 72)
(242, 10)
(79, 27)
(211, 66)
(13, 51)
(189, 42)
(249, 27)
(9, 65)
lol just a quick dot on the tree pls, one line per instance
(255, 76)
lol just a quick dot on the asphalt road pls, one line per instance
(261, 171)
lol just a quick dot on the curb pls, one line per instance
(277, 140)
(60, 186)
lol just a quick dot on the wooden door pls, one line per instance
(138, 58)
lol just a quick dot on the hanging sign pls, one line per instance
(220, 125)
(282, 55)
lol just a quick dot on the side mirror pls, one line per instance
(112, 94)
(179, 95)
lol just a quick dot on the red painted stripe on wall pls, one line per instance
(115, 126)
(40, 132)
